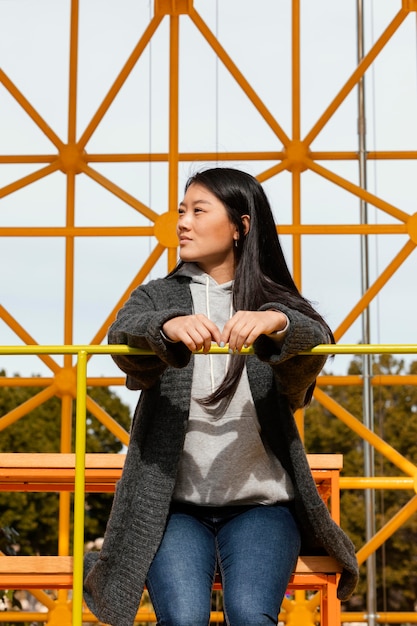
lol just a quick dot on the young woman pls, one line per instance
(216, 477)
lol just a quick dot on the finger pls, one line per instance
(209, 333)
(197, 342)
(243, 338)
(205, 333)
(206, 344)
(228, 328)
(216, 335)
(239, 334)
(251, 337)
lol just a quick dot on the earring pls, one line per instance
(236, 244)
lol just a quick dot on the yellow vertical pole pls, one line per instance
(79, 494)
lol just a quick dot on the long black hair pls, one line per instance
(261, 274)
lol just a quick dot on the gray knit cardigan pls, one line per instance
(115, 577)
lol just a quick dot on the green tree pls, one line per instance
(35, 515)
(395, 412)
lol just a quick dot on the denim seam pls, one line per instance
(220, 566)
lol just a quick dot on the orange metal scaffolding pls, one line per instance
(292, 154)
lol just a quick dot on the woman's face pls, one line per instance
(206, 234)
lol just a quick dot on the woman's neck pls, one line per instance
(221, 273)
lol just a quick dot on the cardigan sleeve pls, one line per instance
(138, 324)
(295, 374)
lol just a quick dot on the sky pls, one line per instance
(34, 54)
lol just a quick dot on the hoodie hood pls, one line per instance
(197, 275)
(210, 298)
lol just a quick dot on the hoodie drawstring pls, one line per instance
(209, 316)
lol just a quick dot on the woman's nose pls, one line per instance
(183, 223)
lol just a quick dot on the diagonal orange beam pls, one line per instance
(26, 338)
(272, 171)
(387, 530)
(29, 179)
(119, 192)
(365, 433)
(120, 80)
(108, 422)
(23, 409)
(30, 110)
(357, 74)
(374, 289)
(138, 280)
(238, 76)
(361, 193)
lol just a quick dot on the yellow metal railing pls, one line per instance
(84, 351)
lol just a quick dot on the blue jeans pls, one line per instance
(255, 549)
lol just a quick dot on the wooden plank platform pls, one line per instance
(55, 572)
(56, 472)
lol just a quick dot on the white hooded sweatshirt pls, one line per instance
(225, 460)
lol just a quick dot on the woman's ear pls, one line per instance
(246, 223)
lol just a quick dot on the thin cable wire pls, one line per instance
(375, 172)
(416, 59)
(150, 4)
(368, 403)
(217, 86)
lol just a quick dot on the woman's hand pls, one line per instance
(246, 326)
(195, 331)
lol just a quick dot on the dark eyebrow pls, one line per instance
(196, 202)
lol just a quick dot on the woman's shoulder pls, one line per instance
(166, 283)
(163, 289)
